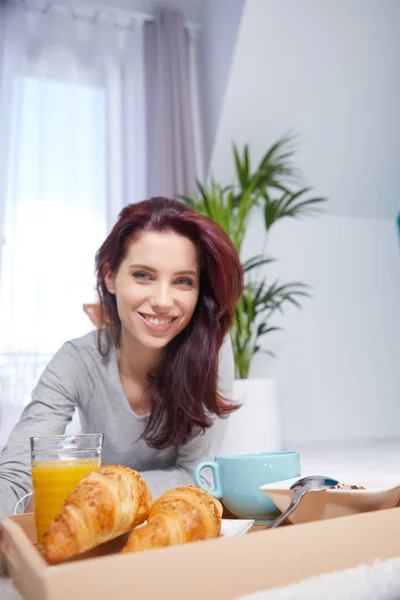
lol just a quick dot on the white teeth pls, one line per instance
(156, 321)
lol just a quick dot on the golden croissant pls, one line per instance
(181, 515)
(107, 503)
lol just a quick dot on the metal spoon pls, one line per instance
(314, 483)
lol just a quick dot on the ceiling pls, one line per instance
(189, 8)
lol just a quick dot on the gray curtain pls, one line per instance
(171, 162)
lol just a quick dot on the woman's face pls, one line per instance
(156, 287)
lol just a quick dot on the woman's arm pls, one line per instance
(50, 410)
(203, 446)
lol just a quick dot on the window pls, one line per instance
(55, 220)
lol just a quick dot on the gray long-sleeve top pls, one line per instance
(78, 377)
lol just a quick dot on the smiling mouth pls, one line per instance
(153, 320)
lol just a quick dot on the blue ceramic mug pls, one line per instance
(238, 477)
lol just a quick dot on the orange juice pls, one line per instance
(52, 482)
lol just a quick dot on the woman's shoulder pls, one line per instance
(86, 349)
(80, 362)
(86, 342)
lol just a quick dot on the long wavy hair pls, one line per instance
(183, 394)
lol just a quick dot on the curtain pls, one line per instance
(98, 108)
(72, 153)
(173, 129)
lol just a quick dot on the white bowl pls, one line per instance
(380, 493)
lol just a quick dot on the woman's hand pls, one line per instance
(94, 313)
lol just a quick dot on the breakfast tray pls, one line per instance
(221, 568)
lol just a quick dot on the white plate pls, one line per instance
(231, 527)
(381, 492)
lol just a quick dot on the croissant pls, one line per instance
(181, 515)
(107, 503)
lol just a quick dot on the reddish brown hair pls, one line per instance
(184, 393)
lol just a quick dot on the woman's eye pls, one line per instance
(141, 276)
(185, 281)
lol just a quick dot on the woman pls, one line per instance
(156, 377)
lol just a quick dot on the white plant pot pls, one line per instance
(256, 426)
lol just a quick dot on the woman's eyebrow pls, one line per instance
(187, 272)
(147, 267)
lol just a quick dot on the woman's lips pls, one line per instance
(157, 323)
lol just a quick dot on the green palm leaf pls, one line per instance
(275, 186)
(255, 262)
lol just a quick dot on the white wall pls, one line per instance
(338, 357)
(219, 22)
(329, 71)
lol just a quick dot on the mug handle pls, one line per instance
(216, 491)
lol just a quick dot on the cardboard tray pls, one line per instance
(222, 568)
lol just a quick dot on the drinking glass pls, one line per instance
(59, 463)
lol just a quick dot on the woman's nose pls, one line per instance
(161, 300)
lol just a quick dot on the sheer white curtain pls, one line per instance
(71, 154)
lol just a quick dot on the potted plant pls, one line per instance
(274, 186)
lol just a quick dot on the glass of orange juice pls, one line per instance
(59, 463)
